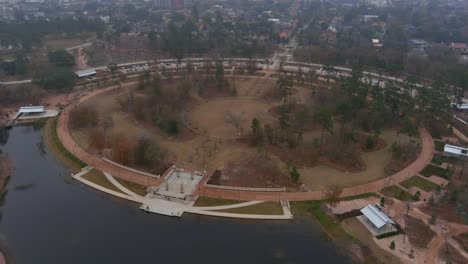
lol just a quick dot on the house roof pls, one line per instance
(459, 46)
(377, 217)
(85, 73)
(455, 149)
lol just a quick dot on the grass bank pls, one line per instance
(207, 201)
(419, 182)
(100, 179)
(54, 145)
(265, 208)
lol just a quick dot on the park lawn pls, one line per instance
(265, 208)
(419, 182)
(439, 159)
(439, 145)
(58, 150)
(435, 170)
(98, 178)
(134, 187)
(398, 193)
(207, 201)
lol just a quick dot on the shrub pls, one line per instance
(392, 245)
(170, 127)
(370, 143)
(294, 174)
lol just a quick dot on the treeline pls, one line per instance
(29, 34)
(145, 152)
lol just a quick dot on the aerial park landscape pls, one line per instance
(284, 131)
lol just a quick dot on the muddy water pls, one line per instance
(48, 218)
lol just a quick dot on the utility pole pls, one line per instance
(406, 215)
(446, 243)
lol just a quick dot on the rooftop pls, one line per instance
(377, 217)
(31, 109)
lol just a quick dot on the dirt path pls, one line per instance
(432, 254)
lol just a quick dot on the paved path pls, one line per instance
(230, 206)
(79, 178)
(121, 187)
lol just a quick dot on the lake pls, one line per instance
(46, 217)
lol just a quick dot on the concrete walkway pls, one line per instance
(230, 206)
(121, 187)
(194, 210)
(85, 170)
(171, 208)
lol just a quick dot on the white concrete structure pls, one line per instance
(376, 221)
(456, 151)
(85, 73)
(178, 183)
(31, 109)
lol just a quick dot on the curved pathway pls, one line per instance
(64, 135)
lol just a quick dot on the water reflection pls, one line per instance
(58, 222)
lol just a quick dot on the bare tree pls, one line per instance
(332, 196)
(237, 120)
(107, 122)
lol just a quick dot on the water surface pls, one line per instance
(46, 217)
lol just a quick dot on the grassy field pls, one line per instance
(439, 159)
(134, 187)
(98, 178)
(439, 145)
(321, 176)
(438, 171)
(207, 201)
(398, 193)
(58, 150)
(419, 182)
(266, 208)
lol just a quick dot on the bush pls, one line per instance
(170, 127)
(392, 245)
(294, 174)
(370, 144)
(56, 79)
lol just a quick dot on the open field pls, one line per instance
(398, 193)
(98, 178)
(437, 171)
(321, 176)
(419, 182)
(210, 116)
(134, 187)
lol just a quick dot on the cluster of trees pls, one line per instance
(184, 37)
(18, 66)
(157, 102)
(402, 21)
(145, 153)
(25, 94)
(29, 34)
(59, 77)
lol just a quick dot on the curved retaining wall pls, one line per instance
(131, 169)
(247, 189)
